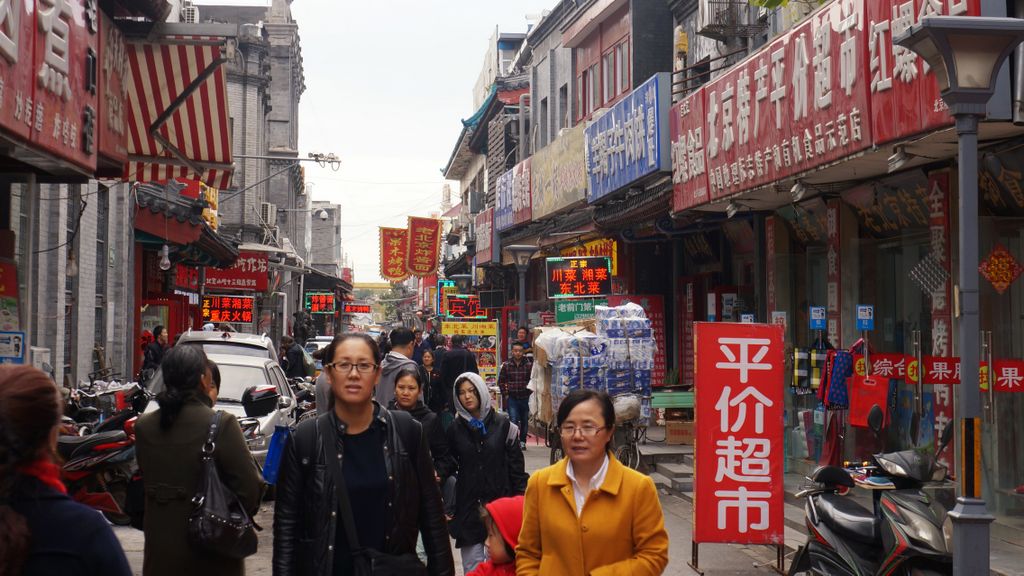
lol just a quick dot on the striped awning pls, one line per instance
(178, 111)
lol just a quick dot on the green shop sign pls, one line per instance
(573, 310)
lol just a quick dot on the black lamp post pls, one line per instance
(521, 255)
(966, 54)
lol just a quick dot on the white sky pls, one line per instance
(387, 82)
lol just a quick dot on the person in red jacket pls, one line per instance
(504, 518)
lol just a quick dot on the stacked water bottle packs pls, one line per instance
(631, 348)
(579, 362)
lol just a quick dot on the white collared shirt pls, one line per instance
(595, 483)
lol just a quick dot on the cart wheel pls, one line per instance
(629, 455)
(556, 454)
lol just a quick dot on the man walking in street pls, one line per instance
(403, 343)
(154, 351)
(421, 343)
(293, 365)
(512, 380)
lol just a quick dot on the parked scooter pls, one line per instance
(908, 533)
(305, 398)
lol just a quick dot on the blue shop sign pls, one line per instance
(503, 207)
(631, 140)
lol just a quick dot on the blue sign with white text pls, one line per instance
(817, 317)
(630, 141)
(865, 317)
(503, 201)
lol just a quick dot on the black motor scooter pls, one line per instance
(907, 534)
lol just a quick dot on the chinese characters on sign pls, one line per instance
(630, 141)
(522, 196)
(356, 308)
(485, 236)
(249, 272)
(582, 277)
(503, 200)
(572, 310)
(320, 302)
(444, 288)
(689, 161)
(738, 488)
(600, 247)
(558, 174)
(393, 251)
(230, 309)
(834, 272)
(113, 92)
(465, 306)
(424, 248)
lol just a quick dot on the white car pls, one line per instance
(216, 342)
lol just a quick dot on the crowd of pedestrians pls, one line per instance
(407, 453)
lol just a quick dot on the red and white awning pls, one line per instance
(178, 112)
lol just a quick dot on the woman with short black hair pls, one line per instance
(613, 523)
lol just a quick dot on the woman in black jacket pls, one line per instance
(42, 531)
(383, 459)
(485, 445)
(408, 389)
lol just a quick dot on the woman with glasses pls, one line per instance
(589, 514)
(485, 444)
(362, 465)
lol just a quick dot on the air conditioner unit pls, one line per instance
(268, 213)
(189, 13)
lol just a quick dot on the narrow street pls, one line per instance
(716, 560)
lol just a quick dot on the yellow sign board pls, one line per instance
(469, 328)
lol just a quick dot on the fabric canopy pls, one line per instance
(178, 124)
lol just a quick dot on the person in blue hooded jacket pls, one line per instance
(485, 446)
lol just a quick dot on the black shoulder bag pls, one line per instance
(367, 561)
(218, 522)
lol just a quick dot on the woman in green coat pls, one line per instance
(167, 446)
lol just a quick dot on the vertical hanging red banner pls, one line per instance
(738, 488)
(942, 310)
(394, 250)
(1008, 375)
(424, 247)
(834, 273)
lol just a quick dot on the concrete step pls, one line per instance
(661, 481)
(674, 470)
(681, 485)
(688, 460)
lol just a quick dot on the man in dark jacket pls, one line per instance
(456, 361)
(512, 380)
(154, 353)
(294, 366)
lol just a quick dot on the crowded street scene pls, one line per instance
(511, 287)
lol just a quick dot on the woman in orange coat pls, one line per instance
(592, 504)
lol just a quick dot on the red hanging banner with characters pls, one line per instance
(394, 251)
(738, 488)
(424, 249)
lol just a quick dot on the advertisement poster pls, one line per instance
(9, 316)
(12, 347)
(249, 272)
(654, 307)
(738, 489)
(482, 340)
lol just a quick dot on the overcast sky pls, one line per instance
(387, 82)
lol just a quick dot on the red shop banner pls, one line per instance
(1008, 375)
(654, 307)
(394, 250)
(738, 488)
(424, 248)
(113, 93)
(249, 272)
(689, 161)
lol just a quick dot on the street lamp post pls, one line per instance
(966, 54)
(521, 255)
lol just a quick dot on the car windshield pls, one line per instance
(227, 348)
(235, 379)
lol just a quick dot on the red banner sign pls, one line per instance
(654, 307)
(1008, 375)
(424, 246)
(231, 309)
(394, 249)
(834, 272)
(739, 484)
(249, 272)
(689, 159)
(113, 93)
(484, 222)
(356, 308)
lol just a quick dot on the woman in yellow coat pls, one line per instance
(588, 515)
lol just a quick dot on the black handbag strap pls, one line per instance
(209, 446)
(334, 462)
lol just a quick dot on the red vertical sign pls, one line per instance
(654, 307)
(834, 283)
(687, 315)
(769, 256)
(689, 161)
(113, 92)
(738, 488)
(942, 310)
(424, 250)
(394, 251)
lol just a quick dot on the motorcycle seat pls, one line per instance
(68, 446)
(847, 518)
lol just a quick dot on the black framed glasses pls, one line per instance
(588, 431)
(346, 367)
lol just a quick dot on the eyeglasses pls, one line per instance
(346, 367)
(587, 431)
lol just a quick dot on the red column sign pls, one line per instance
(738, 489)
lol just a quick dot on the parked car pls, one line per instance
(317, 343)
(263, 378)
(230, 343)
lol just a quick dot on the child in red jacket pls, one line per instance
(503, 518)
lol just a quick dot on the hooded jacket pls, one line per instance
(443, 463)
(490, 463)
(507, 514)
(389, 368)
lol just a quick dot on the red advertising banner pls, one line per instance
(834, 272)
(186, 277)
(941, 299)
(62, 112)
(16, 69)
(769, 256)
(394, 249)
(233, 309)
(1008, 375)
(113, 93)
(654, 307)
(485, 236)
(887, 365)
(689, 159)
(522, 193)
(249, 272)
(424, 246)
(738, 488)
(687, 316)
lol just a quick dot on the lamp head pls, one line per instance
(521, 255)
(731, 209)
(966, 53)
